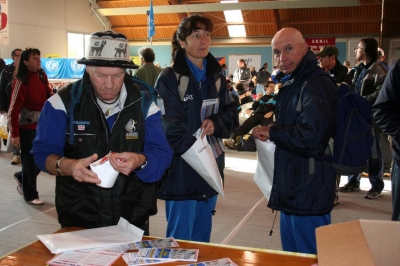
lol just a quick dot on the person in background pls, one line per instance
(263, 106)
(242, 74)
(386, 110)
(367, 82)
(6, 78)
(147, 72)
(303, 195)
(244, 95)
(106, 120)
(189, 200)
(347, 65)
(223, 70)
(328, 61)
(30, 90)
(382, 57)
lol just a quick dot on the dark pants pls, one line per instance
(396, 191)
(250, 123)
(375, 168)
(29, 168)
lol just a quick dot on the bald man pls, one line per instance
(304, 181)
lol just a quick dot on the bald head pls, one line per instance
(289, 48)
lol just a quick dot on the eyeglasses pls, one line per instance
(358, 48)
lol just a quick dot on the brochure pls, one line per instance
(219, 262)
(168, 254)
(132, 260)
(157, 243)
(93, 257)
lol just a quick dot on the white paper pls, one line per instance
(88, 257)
(264, 174)
(201, 158)
(105, 172)
(122, 233)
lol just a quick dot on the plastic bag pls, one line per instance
(3, 126)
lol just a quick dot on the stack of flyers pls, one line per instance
(157, 243)
(96, 256)
(132, 260)
(219, 262)
(168, 254)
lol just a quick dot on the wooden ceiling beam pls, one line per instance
(335, 21)
(255, 23)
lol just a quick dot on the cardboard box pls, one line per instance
(360, 242)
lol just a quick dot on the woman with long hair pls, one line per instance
(189, 200)
(30, 90)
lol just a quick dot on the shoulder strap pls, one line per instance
(309, 76)
(76, 93)
(183, 83)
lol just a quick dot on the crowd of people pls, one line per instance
(105, 115)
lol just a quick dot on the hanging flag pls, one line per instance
(151, 25)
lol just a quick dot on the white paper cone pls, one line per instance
(264, 175)
(105, 172)
(201, 158)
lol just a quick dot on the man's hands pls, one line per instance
(126, 162)
(261, 133)
(79, 169)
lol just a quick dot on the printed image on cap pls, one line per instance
(108, 48)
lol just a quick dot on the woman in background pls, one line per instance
(30, 90)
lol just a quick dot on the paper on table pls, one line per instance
(122, 233)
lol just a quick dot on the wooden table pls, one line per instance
(37, 254)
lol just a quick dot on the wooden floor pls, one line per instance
(242, 217)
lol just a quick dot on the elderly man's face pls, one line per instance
(106, 81)
(289, 48)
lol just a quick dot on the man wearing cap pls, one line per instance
(328, 61)
(367, 82)
(100, 115)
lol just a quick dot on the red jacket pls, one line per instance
(31, 95)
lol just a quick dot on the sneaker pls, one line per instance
(336, 200)
(16, 160)
(350, 188)
(230, 143)
(373, 194)
(35, 202)
(19, 186)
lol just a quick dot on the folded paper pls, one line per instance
(201, 158)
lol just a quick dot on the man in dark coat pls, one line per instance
(304, 181)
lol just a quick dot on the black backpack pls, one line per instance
(353, 139)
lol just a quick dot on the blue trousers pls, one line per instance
(298, 232)
(396, 191)
(190, 219)
(375, 168)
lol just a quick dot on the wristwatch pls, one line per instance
(141, 167)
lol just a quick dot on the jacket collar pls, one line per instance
(180, 65)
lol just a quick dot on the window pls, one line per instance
(77, 44)
(234, 16)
